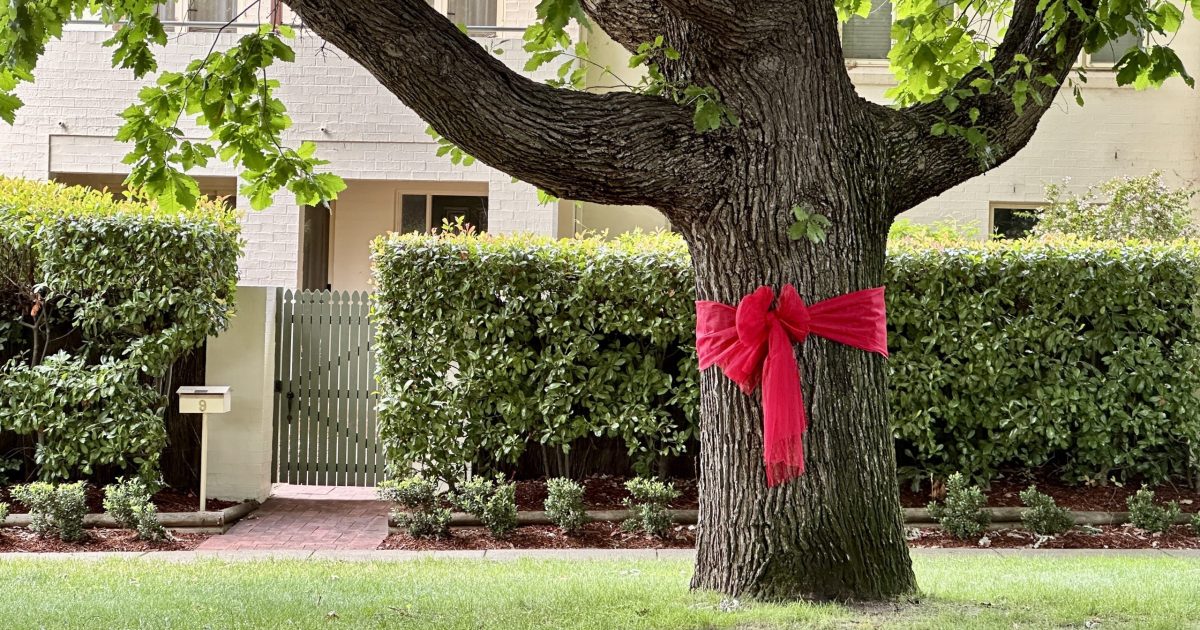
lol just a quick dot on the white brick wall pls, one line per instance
(71, 116)
(1118, 131)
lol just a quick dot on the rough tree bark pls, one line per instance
(806, 138)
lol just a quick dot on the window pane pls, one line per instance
(1114, 50)
(1013, 222)
(472, 12)
(412, 214)
(869, 37)
(448, 208)
(211, 10)
(166, 11)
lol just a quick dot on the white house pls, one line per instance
(379, 146)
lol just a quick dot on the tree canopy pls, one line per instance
(971, 75)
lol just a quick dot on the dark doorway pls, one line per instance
(314, 273)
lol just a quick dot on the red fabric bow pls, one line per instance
(753, 345)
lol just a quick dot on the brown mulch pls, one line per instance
(602, 492)
(24, 541)
(167, 500)
(591, 536)
(1101, 537)
(1110, 498)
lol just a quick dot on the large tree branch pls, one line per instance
(616, 148)
(628, 22)
(926, 165)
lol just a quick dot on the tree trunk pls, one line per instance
(835, 533)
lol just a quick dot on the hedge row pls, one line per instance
(1081, 356)
(98, 298)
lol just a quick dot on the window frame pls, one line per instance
(1086, 61)
(429, 193)
(867, 61)
(1017, 206)
(443, 6)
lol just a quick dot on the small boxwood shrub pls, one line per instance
(419, 509)
(3, 512)
(964, 513)
(1196, 524)
(128, 502)
(1042, 515)
(54, 509)
(1148, 515)
(1004, 355)
(564, 504)
(100, 298)
(494, 503)
(648, 500)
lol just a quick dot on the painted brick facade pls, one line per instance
(71, 116)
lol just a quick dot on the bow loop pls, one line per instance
(753, 345)
(793, 313)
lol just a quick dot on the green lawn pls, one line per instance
(960, 592)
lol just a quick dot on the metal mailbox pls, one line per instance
(204, 399)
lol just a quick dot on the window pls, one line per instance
(422, 213)
(1013, 222)
(468, 12)
(211, 10)
(1111, 53)
(869, 37)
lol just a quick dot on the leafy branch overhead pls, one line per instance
(228, 92)
(973, 73)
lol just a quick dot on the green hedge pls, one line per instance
(1004, 355)
(484, 343)
(98, 299)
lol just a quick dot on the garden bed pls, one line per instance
(1109, 498)
(1100, 537)
(590, 536)
(605, 492)
(167, 500)
(610, 536)
(25, 541)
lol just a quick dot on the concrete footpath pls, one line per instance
(347, 555)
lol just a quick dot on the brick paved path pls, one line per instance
(309, 518)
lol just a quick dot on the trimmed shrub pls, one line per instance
(486, 343)
(101, 297)
(3, 512)
(1196, 524)
(494, 503)
(648, 501)
(1019, 355)
(128, 502)
(421, 515)
(564, 504)
(1146, 514)
(1042, 515)
(964, 513)
(1004, 355)
(54, 509)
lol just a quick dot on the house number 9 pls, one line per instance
(202, 405)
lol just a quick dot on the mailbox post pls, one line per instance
(204, 400)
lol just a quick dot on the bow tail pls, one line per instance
(784, 420)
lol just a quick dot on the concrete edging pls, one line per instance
(183, 522)
(1009, 517)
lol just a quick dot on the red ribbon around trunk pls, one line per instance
(753, 345)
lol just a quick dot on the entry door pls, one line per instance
(315, 262)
